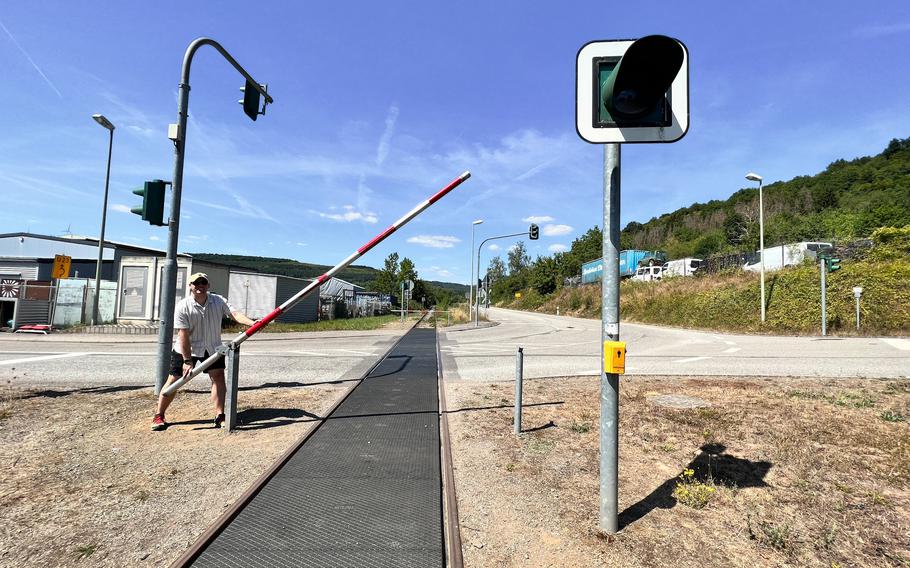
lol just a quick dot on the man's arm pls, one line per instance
(240, 317)
(183, 340)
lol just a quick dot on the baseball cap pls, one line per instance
(196, 276)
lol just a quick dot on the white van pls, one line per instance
(682, 267)
(648, 273)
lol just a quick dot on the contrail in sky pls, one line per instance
(27, 56)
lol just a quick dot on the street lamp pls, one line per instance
(751, 176)
(100, 119)
(473, 281)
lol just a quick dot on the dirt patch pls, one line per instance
(783, 473)
(86, 483)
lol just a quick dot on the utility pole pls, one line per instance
(177, 133)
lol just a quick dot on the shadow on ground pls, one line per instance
(711, 463)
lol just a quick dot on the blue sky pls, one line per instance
(377, 105)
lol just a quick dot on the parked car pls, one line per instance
(649, 273)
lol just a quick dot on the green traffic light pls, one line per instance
(633, 89)
(250, 100)
(152, 208)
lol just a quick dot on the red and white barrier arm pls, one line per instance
(291, 302)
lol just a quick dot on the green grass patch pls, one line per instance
(892, 416)
(729, 301)
(349, 324)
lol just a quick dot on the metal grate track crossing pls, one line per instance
(365, 488)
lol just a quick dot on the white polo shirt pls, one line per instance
(203, 321)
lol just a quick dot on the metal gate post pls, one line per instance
(519, 375)
(232, 374)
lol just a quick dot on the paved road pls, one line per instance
(95, 360)
(558, 346)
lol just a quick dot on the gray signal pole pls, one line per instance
(609, 382)
(169, 286)
(483, 242)
(823, 268)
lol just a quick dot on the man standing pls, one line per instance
(197, 321)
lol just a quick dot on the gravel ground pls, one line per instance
(87, 483)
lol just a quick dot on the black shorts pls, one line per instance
(177, 363)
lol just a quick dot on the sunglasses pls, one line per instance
(201, 283)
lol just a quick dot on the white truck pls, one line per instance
(682, 267)
(785, 255)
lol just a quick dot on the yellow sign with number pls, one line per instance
(61, 266)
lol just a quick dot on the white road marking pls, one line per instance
(690, 359)
(309, 353)
(730, 342)
(43, 358)
(901, 344)
(352, 351)
(732, 350)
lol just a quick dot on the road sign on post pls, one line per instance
(626, 92)
(61, 266)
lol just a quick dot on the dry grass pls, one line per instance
(787, 473)
(86, 483)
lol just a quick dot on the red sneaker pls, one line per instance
(158, 423)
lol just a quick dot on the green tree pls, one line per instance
(497, 269)
(387, 280)
(544, 275)
(518, 259)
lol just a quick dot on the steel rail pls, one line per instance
(226, 518)
(450, 502)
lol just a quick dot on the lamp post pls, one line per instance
(473, 280)
(100, 119)
(751, 176)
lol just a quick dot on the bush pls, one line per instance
(891, 243)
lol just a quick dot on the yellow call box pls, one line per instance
(615, 357)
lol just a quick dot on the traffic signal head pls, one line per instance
(832, 264)
(533, 232)
(152, 208)
(632, 91)
(250, 100)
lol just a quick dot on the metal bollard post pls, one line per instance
(231, 375)
(519, 371)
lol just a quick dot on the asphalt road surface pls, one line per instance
(553, 346)
(562, 346)
(75, 360)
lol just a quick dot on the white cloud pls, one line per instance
(882, 30)
(349, 215)
(30, 60)
(538, 219)
(382, 151)
(557, 248)
(556, 230)
(120, 207)
(154, 238)
(434, 241)
(440, 272)
(494, 247)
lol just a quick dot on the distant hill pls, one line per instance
(355, 274)
(849, 199)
